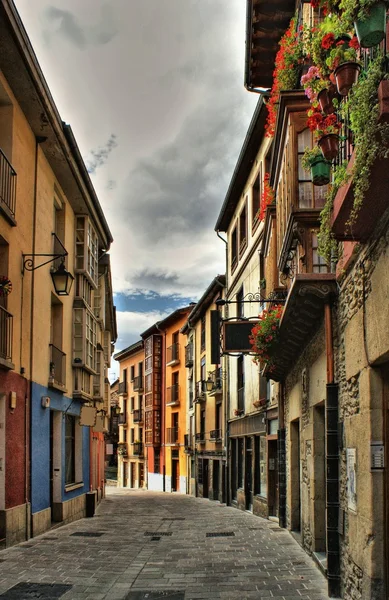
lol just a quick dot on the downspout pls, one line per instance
(163, 405)
(226, 396)
(332, 464)
(281, 454)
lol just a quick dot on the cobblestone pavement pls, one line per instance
(149, 545)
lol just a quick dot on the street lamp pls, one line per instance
(209, 384)
(62, 279)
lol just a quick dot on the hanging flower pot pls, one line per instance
(329, 145)
(371, 31)
(346, 75)
(320, 171)
(325, 98)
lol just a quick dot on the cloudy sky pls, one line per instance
(154, 93)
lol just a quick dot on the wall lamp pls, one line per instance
(62, 279)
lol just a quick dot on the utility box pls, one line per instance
(91, 502)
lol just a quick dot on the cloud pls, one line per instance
(100, 156)
(69, 27)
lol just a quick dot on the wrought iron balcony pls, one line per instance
(172, 435)
(57, 366)
(123, 449)
(137, 416)
(189, 355)
(6, 326)
(217, 385)
(215, 435)
(173, 395)
(137, 449)
(7, 186)
(200, 437)
(122, 388)
(123, 419)
(138, 384)
(200, 391)
(173, 354)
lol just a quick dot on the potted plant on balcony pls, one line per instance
(122, 449)
(265, 335)
(325, 130)
(267, 198)
(314, 161)
(368, 18)
(238, 412)
(344, 61)
(320, 89)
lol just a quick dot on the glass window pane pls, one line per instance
(305, 195)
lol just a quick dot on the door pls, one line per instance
(295, 475)
(141, 475)
(272, 478)
(51, 461)
(125, 474)
(133, 474)
(175, 475)
(205, 479)
(215, 479)
(249, 475)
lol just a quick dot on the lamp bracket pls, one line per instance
(29, 262)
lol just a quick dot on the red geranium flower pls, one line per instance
(328, 41)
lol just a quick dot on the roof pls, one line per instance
(133, 349)
(267, 21)
(206, 300)
(175, 316)
(243, 166)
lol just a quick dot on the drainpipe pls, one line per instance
(281, 452)
(163, 404)
(332, 464)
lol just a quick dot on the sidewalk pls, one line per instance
(149, 545)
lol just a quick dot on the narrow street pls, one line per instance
(148, 545)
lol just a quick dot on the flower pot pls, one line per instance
(320, 171)
(371, 31)
(325, 98)
(383, 100)
(329, 146)
(346, 75)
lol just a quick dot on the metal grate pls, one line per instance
(221, 534)
(158, 533)
(43, 591)
(88, 534)
(150, 595)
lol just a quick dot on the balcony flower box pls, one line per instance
(371, 29)
(265, 335)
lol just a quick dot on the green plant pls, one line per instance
(353, 10)
(265, 334)
(310, 156)
(343, 53)
(327, 245)
(318, 41)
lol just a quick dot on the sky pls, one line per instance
(154, 93)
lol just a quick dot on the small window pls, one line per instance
(203, 323)
(132, 372)
(318, 263)
(70, 449)
(239, 304)
(310, 196)
(256, 201)
(243, 230)
(156, 462)
(234, 249)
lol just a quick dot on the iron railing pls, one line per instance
(200, 390)
(172, 435)
(173, 394)
(173, 353)
(216, 378)
(138, 383)
(137, 416)
(200, 437)
(6, 327)
(189, 355)
(137, 449)
(7, 184)
(57, 365)
(122, 388)
(122, 418)
(215, 435)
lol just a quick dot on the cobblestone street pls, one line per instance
(148, 545)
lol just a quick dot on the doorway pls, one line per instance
(205, 479)
(249, 475)
(272, 478)
(295, 476)
(125, 474)
(320, 479)
(215, 479)
(175, 475)
(133, 474)
(52, 463)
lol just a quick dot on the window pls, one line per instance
(256, 201)
(234, 249)
(243, 230)
(218, 416)
(240, 383)
(202, 423)
(132, 435)
(260, 474)
(85, 338)
(132, 372)
(240, 462)
(140, 369)
(203, 322)
(310, 196)
(70, 447)
(239, 304)
(156, 462)
(86, 249)
(91, 341)
(318, 262)
(124, 435)
(203, 372)
(132, 403)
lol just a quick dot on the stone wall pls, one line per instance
(15, 523)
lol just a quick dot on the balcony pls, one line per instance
(173, 395)
(200, 437)
(200, 392)
(57, 376)
(6, 327)
(137, 449)
(187, 444)
(173, 355)
(7, 189)
(189, 355)
(123, 419)
(138, 384)
(303, 313)
(216, 378)
(123, 449)
(215, 435)
(122, 388)
(137, 416)
(172, 435)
